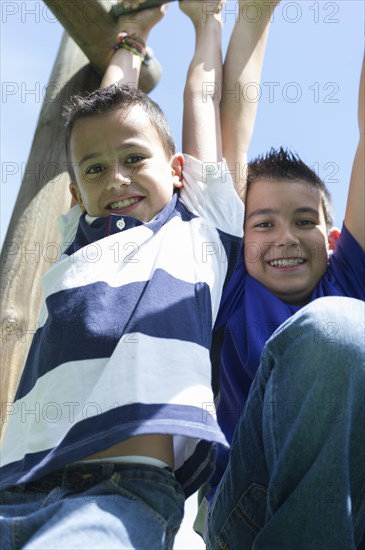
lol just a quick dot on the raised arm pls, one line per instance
(355, 209)
(242, 66)
(201, 121)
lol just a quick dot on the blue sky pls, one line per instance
(308, 91)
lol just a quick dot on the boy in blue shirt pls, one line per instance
(286, 475)
(292, 366)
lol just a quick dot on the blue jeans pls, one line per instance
(100, 506)
(296, 475)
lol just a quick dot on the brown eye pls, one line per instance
(94, 169)
(264, 225)
(133, 159)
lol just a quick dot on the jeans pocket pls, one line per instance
(164, 500)
(245, 520)
(158, 507)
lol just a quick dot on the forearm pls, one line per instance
(124, 67)
(242, 72)
(201, 119)
(361, 108)
(355, 209)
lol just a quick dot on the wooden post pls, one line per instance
(31, 243)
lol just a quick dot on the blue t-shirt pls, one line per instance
(250, 313)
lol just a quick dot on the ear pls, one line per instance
(332, 238)
(177, 163)
(76, 195)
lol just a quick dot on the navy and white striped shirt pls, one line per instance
(122, 347)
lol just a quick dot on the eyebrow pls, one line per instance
(307, 210)
(262, 212)
(89, 156)
(275, 211)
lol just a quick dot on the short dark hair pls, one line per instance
(282, 164)
(115, 98)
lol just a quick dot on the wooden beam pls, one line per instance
(93, 27)
(31, 244)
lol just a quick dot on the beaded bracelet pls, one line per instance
(131, 43)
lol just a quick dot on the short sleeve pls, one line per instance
(347, 266)
(208, 192)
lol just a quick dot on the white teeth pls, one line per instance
(286, 263)
(123, 204)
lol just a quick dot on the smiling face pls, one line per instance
(121, 165)
(286, 245)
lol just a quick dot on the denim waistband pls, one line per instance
(83, 476)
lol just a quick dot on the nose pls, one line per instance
(287, 236)
(118, 177)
